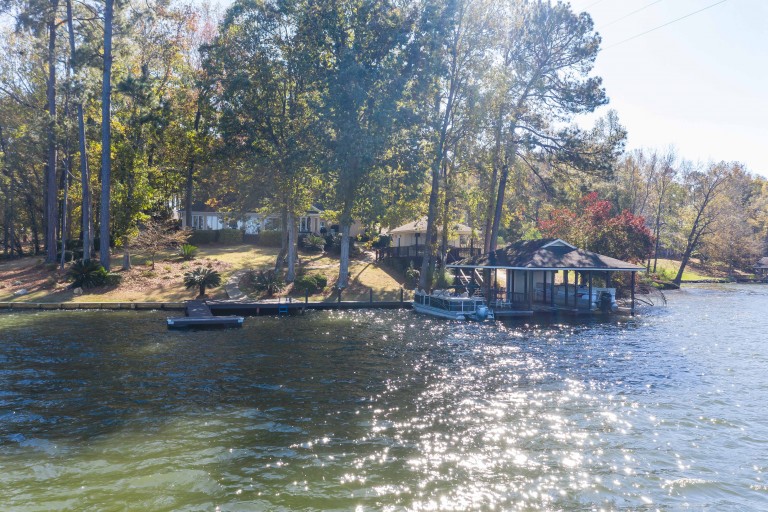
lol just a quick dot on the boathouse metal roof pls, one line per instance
(547, 254)
(762, 263)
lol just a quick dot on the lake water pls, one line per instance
(389, 411)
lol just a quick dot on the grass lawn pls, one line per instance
(164, 283)
(693, 271)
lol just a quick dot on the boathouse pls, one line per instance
(544, 275)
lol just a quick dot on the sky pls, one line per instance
(699, 84)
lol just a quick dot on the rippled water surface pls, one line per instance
(389, 411)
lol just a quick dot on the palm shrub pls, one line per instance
(202, 278)
(88, 274)
(269, 281)
(314, 243)
(188, 252)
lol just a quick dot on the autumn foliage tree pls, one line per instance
(593, 226)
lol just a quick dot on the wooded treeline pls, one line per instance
(380, 110)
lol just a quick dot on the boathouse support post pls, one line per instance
(565, 285)
(514, 290)
(589, 279)
(510, 290)
(575, 289)
(370, 296)
(529, 283)
(544, 287)
(525, 287)
(552, 290)
(632, 292)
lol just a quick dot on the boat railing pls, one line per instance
(454, 304)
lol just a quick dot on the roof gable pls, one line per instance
(548, 254)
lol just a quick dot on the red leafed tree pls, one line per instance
(593, 226)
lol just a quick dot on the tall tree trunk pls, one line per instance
(65, 209)
(344, 257)
(281, 256)
(188, 189)
(446, 214)
(499, 206)
(426, 263)
(496, 166)
(10, 211)
(51, 209)
(106, 161)
(290, 275)
(85, 180)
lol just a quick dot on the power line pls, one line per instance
(665, 24)
(592, 4)
(628, 15)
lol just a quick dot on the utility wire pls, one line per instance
(590, 5)
(665, 24)
(628, 15)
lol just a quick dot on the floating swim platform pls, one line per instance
(200, 315)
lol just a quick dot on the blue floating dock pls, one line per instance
(200, 315)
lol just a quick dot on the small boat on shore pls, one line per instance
(443, 304)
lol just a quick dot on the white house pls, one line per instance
(253, 223)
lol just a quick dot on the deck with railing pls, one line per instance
(417, 251)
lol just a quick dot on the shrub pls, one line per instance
(310, 283)
(203, 236)
(413, 274)
(88, 274)
(188, 252)
(442, 279)
(270, 239)
(314, 243)
(333, 245)
(230, 236)
(69, 255)
(202, 278)
(268, 281)
(382, 242)
(113, 279)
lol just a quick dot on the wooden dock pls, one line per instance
(293, 307)
(198, 314)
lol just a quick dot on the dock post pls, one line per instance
(632, 287)
(401, 295)
(338, 299)
(306, 296)
(370, 295)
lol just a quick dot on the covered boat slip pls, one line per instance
(546, 275)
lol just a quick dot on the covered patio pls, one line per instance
(544, 275)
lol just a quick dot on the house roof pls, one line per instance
(762, 263)
(420, 226)
(547, 254)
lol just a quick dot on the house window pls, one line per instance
(197, 222)
(304, 225)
